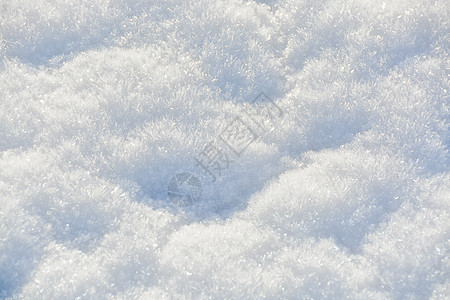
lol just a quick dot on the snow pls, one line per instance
(103, 102)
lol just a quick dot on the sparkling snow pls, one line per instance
(103, 102)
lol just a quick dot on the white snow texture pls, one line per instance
(347, 195)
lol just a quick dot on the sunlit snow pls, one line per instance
(346, 195)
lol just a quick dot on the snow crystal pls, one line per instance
(103, 102)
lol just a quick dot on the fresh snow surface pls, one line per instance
(102, 103)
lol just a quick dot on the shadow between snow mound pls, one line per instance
(245, 174)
